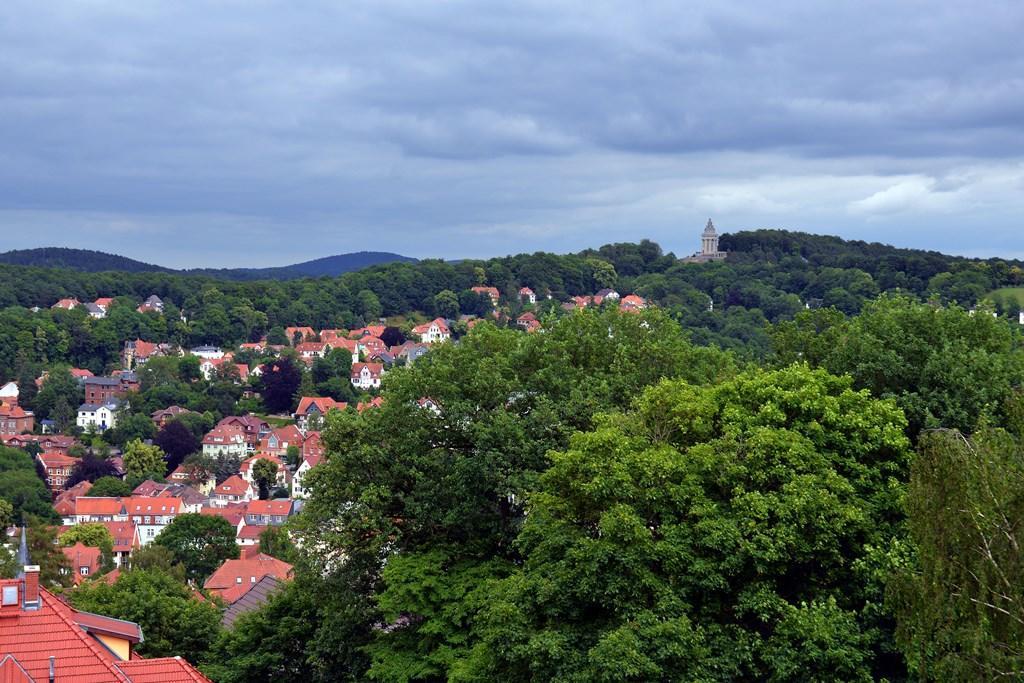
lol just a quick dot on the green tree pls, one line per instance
(173, 620)
(264, 475)
(109, 487)
(714, 534)
(961, 604)
(142, 461)
(54, 569)
(446, 304)
(22, 487)
(275, 541)
(200, 543)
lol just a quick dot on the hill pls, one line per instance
(85, 260)
(89, 261)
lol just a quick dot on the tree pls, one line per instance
(264, 475)
(22, 488)
(177, 441)
(91, 467)
(132, 427)
(716, 533)
(60, 389)
(277, 337)
(109, 487)
(278, 384)
(961, 604)
(142, 461)
(174, 622)
(446, 304)
(368, 305)
(157, 557)
(293, 455)
(54, 569)
(6, 514)
(200, 543)
(275, 541)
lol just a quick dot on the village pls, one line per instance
(249, 469)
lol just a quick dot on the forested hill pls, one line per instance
(89, 261)
(85, 260)
(768, 277)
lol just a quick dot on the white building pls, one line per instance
(208, 352)
(99, 417)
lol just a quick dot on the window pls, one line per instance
(10, 595)
(84, 571)
(238, 579)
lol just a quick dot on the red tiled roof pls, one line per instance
(162, 670)
(145, 505)
(225, 581)
(281, 506)
(33, 636)
(232, 486)
(81, 555)
(233, 512)
(85, 505)
(322, 403)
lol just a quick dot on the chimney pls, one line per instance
(31, 599)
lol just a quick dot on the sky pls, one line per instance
(256, 133)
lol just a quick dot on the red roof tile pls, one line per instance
(162, 670)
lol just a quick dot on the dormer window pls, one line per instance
(10, 596)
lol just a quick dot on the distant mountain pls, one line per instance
(89, 261)
(85, 260)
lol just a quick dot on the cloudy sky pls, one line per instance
(254, 132)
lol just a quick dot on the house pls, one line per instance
(104, 303)
(315, 408)
(78, 373)
(331, 335)
(95, 311)
(367, 375)
(350, 345)
(632, 302)
(58, 468)
(153, 304)
(269, 512)
(528, 321)
(492, 292)
(375, 402)
(253, 428)
(299, 489)
(137, 352)
(126, 540)
(312, 445)
(434, 331)
(257, 596)
(67, 304)
(207, 352)
(151, 515)
(248, 535)
(245, 471)
(368, 331)
(83, 560)
(234, 489)
(527, 295)
(279, 440)
(100, 509)
(56, 443)
(196, 477)
(64, 503)
(299, 333)
(15, 420)
(235, 578)
(98, 417)
(371, 345)
(409, 351)
(9, 394)
(605, 294)
(44, 639)
(162, 417)
(225, 440)
(100, 390)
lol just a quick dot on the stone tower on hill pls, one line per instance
(708, 247)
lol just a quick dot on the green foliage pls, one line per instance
(275, 541)
(264, 475)
(54, 569)
(200, 543)
(173, 620)
(94, 535)
(712, 535)
(944, 367)
(143, 461)
(109, 487)
(961, 605)
(22, 488)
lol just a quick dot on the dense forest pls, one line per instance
(805, 463)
